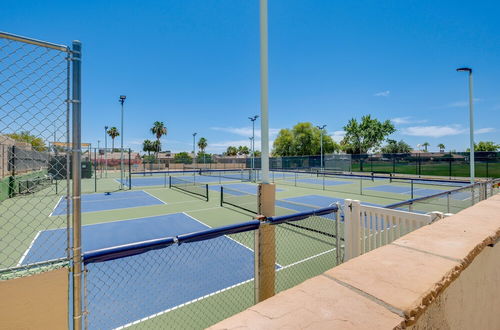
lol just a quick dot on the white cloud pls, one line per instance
(245, 131)
(485, 130)
(384, 93)
(457, 104)
(337, 136)
(407, 120)
(433, 131)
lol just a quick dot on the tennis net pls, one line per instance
(189, 186)
(242, 175)
(240, 199)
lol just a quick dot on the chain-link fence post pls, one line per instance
(76, 179)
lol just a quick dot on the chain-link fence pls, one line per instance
(34, 94)
(451, 201)
(445, 164)
(195, 280)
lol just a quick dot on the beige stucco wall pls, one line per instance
(35, 302)
(442, 276)
(472, 301)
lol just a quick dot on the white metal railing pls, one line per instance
(369, 227)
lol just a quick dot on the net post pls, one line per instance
(411, 183)
(448, 202)
(221, 196)
(95, 169)
(206, 190)
(265, 245)
(129, 169)
(170, 182)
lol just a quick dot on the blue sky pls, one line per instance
(194, 64)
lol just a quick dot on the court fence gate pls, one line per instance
(40, 104)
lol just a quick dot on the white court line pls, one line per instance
(57, 204)
(29, 248)
(306, 259)
(153, 196)
(184, 304)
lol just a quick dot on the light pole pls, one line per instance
(194, 147)
(264, 74)
(321, 128)
(471, 123)
(121, 100)
(252, 146)
(106, 150)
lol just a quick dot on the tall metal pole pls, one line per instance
(471, 124)
(121, 100)
(194, 147)
(252, 146)
(321, 128)
(106, 149)
(76, 154)
(264, 68)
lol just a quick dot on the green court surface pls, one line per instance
(300, 254)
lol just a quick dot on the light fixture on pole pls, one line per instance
(106, 150)
(321, 128)
(121, 100)
(471, 124)
(194, 147)
(252, 146)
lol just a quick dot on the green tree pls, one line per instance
(24, 136)
(202, 144)
(113, 133)
(395, 147)
(147, 146)
(258, 153)
(365, 135)
(183, 158)
(243, 150)
(426, 145)
(283, 145)
(158, 131)
(485, 146)
(204, 157)
(231, 151)
(303, 139)
(441, 147)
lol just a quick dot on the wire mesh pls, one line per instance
(239, 199)
(307, 247)
(183, 286)
(189, 186)
(34, 119)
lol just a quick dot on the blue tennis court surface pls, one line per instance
(160, 275)
(113, 201)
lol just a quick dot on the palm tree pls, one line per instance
(113, 133)
(147, 146)
(158, 130)
(441, 147)
(425, 145)
(202, 144)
